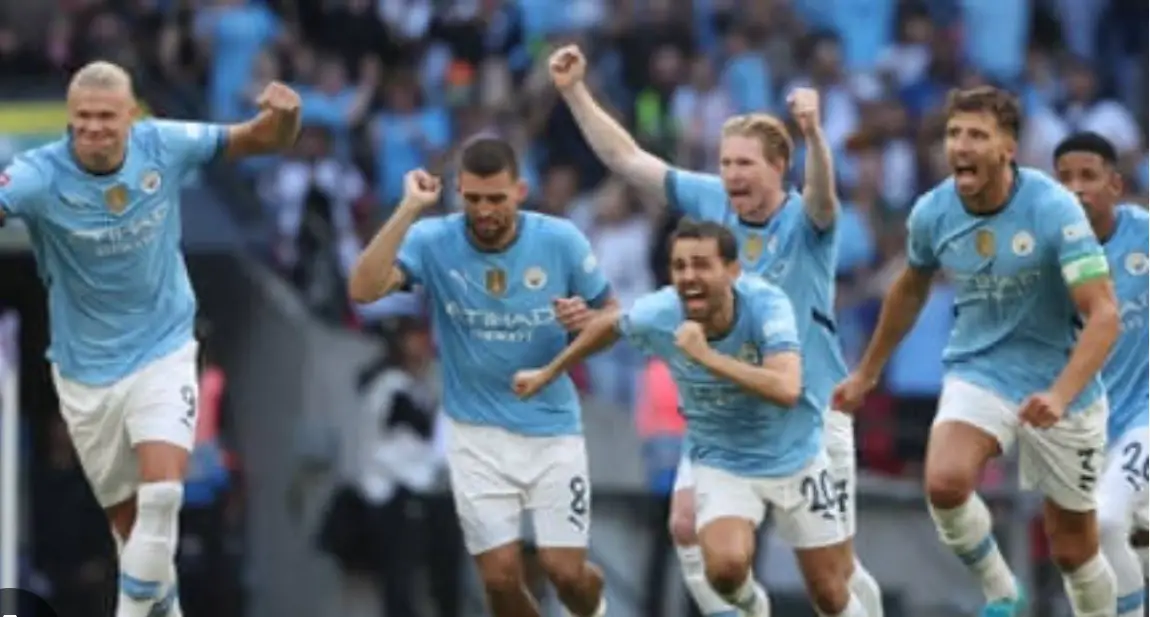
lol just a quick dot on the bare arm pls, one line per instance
(819, 197)
(269, 132)
(778, 380)
(900, 310)
(614, 146)
(599, 334)
(1096, 303)
(375, 274)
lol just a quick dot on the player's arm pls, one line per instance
(22, 187)
(905, 298)
(379, 270)
(1087, 275)
(819, 198)
(614, 146)
(779, 376)
(599, 334)
(587, 282)
(274, 129)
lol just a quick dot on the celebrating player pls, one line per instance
(493, 274)
(785, 237)
(1085, 163)
(102, 210)
(732, 346)
(1035, 318)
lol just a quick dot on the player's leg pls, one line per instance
(560, 500)
(1140, 541)
(159, 404)
(840, 444)
(487, 502)
(682, 528)
(1064, 462)
(971, 427)
(728, 513)
(809, 517)
(1121, 489)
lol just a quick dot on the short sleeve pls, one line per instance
(1078, 251)
(22, 188)
(586, 277)
(775, 318)
(699, 196)
(415, 245)
(191, 144)
(641, 320)
(919, 237)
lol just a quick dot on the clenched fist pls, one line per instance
(691, 340)
(421, 189)
(804, 106)
(528, 383)
(568, 67)
(279, 98)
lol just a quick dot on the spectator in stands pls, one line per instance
(409, 133)
(236, 31)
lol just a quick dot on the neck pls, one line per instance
(499, 243)
(721, 322)
(771, 204)
(997, 191)
(1104, 224)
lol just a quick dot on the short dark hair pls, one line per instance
(488, 156)
(690, 229)
(997, 102)
(1090, 142)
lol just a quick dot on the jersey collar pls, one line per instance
(1015, 185)
(520, 219)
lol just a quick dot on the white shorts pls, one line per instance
(497, 474)
(839, 440)
(156, 403)
(805, 506)
(1122, 492)
(1063, 462)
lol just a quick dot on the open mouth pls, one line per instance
(738, 192)
(694, 297)
(965, 172)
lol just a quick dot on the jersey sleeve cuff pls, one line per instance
(783, 347)
(600, 299)
(1085, 268)
(670, 187)
(221, 143)
(409, 281)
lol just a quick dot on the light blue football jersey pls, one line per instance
(1015, 322)
(727, 426)
(787, 250)
(492, 315)
(108, 247)
(1125, 372)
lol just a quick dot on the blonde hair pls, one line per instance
(101, 75)
(769, 130)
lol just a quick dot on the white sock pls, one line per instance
(119, 540)
(710, 603)
(1091, 588)
(854, 608)
(1130, 584)
(146, 568)
(750, 598)
(967, 531)
(866, 589)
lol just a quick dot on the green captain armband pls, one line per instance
(1085, 268)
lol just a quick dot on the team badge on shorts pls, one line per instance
(753, 247)
(534, 278)
(984, 243)
(150, 183)
(495, 279)
(116, 199)
(1136, 264)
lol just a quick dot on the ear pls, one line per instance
(1116, 183)
(520, 190)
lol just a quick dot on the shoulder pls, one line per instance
(38, 164)
(759, 293)
(550, 226)
(661, 304)
(1041, 191)
(1134, 221)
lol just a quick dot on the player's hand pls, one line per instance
(568, 67)
(421, 189)
(691, 340)
(1042, 410)
(572, 313)
(527, 384)
(804, 106)
(278, 97)
(849, 395)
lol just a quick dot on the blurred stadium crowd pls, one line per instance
(390, 85)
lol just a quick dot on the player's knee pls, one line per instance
(728, 570)
(501, 575)
(682, 523)
(565, 571)
(948, 488)
(1069, 550)
(828, 590)
(164, 498)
